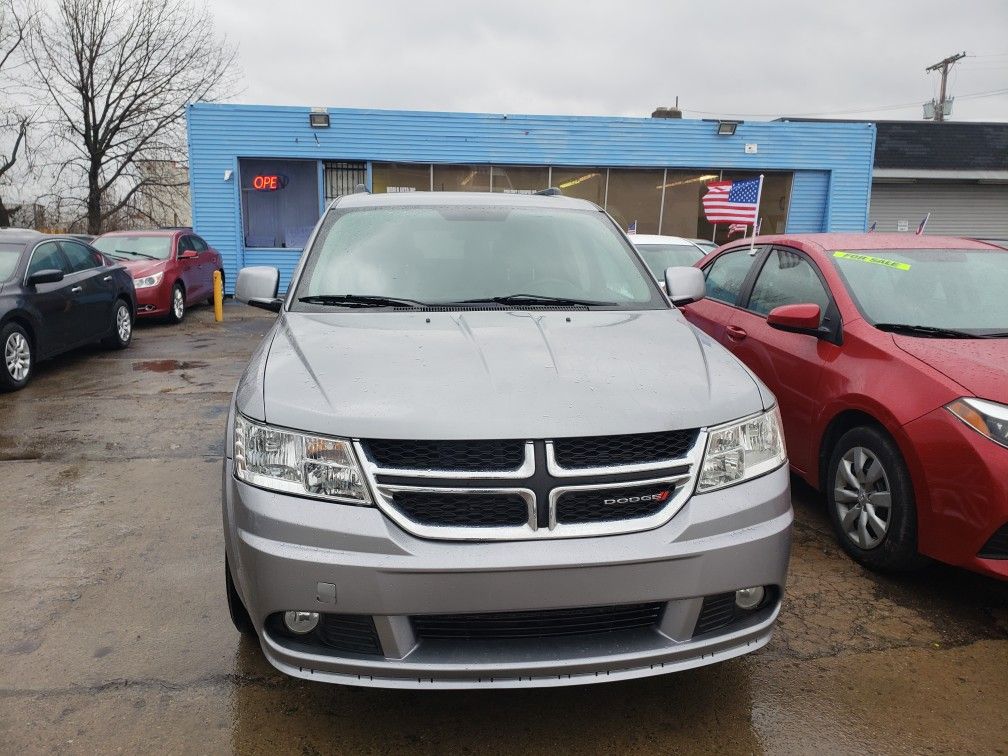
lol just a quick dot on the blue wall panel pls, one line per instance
(832, 161)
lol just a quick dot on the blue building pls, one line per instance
(260, 176)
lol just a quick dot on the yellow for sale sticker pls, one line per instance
(874, 260)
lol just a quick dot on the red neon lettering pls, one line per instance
(266, 183)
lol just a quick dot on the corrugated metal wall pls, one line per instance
(958, 209)
(832, 161)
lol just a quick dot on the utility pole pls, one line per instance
(944, 66)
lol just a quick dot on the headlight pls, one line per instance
(296, 463)
(741, 450)
(147, 281)
(988, 418)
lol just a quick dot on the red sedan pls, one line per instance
(888, 354)
(172, 269)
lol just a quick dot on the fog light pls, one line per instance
(745, 598)
(305, 622)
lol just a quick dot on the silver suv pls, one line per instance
(481, 448)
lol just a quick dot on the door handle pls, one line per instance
(735, 333)
(76, 289)
(107, 278)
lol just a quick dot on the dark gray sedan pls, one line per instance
(56, 294)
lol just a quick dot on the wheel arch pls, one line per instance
(24, 320)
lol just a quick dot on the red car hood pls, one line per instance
(978, 365)
(141, 268)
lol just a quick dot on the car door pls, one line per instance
(98, 290)
(790, 364)
(189, 269)
(727, 276)
(56, 303)
(206, 264)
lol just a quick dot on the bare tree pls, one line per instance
(118, 75)
(13, 120)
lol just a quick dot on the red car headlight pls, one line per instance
(987, 418)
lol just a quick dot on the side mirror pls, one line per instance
(188, 254)
(258, 286)
(684, 285)
(797, 318)
(49, 275)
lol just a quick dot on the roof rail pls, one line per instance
(550, 191)
(360, 189)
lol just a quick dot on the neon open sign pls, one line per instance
(269, 182)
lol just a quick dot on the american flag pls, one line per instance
(738, 228)
(731, 201)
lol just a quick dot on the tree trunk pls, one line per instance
(94, 203)
(5, 220)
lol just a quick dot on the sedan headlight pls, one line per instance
(147, 281)
(297, 463)
(987, 418)
(742, 450)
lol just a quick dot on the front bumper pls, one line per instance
(153, 301)
(280, 548)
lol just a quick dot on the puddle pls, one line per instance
(166, 366)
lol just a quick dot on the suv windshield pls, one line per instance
(661, 256)
(508, 256)
(132, 247)
(9, 256)
(945, 289)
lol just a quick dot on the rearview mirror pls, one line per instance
(49, 275)
(684, 285)
(188, 254)
(258, 286)
(796, 318)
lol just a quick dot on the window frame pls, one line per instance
(66, 263)
(94, 254)
(746, 287)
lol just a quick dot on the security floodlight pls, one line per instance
(727, 128)
(318, 119)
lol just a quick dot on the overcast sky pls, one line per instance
(755, 59)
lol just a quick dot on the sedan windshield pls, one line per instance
(661, 256)
(9, 256)
(134, 247)
(505, 257)
(929, 292)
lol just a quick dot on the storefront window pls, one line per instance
(683, 192)
(583, 183)
(462, 178)
(400, 177)
(280, 201)
(511, 179)
(635, 199)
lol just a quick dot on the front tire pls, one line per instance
(176, 305)
(239, 614)
(871, 501)
(121, 334)
(18, 358)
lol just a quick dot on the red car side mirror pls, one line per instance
(797, 318)
(189, 254)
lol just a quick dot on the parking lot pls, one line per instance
(116, 634)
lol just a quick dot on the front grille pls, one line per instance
(635, 448)
(537, 624)
(612, 503)
(718, 611)
(997, 546)
(467, 456)
(473, 510)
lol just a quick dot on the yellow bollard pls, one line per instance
(218, 296)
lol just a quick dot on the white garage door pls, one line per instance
(978, 210)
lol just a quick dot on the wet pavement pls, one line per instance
(115, 634)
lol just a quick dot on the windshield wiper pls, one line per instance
(923, 330)
(518, 299)
(360, 300)
(138, 254)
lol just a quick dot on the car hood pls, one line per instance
(493, 374)
(141, 268)
(978, 365)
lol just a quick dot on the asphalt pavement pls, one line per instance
(115, 635)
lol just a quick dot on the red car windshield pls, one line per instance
(132, 247)
(953, 290)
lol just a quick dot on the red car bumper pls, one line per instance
(961, 483)
(153, 301)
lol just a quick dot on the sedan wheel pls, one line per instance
(17, 357)
(122, 327)
(177, 304)
(863, 497)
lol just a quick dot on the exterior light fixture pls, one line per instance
(727, 128)
(318, 118)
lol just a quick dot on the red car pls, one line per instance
(888, 354)
(172, 269)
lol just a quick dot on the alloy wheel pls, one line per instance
(124, 324)
(863, 497)
(17, 356)
(178, 303)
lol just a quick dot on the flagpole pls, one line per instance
(752, 239)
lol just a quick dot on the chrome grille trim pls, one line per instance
(680, 493)
(558, 471)
(524, 471)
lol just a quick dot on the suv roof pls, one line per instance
(443, 199)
